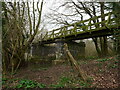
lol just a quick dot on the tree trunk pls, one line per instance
(97, 47)
(105, 46)
(103, 40)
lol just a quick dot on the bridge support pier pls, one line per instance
(59, 49)
(76, 49)
(55, 52)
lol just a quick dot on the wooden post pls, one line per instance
(53, 34)
(74, 62)
(75, 31)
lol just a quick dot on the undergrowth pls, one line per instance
(64, 82)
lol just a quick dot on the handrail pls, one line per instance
(89, 25)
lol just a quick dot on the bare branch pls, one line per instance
(33, 16)
(30, 22)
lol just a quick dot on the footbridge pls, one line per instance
(93, 27)
(52, 44)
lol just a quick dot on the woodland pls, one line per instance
(25, 23)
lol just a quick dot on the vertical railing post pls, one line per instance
(50, 35)
(64, 31)
(61, 32)
(53, 34)
(89, 25)
(83, 28)
(108, 20)
(45, 37)
(75, 27)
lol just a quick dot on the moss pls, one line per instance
(63, 32)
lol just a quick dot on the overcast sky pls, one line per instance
(53, 4)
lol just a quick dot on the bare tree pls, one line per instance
(19, 30)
